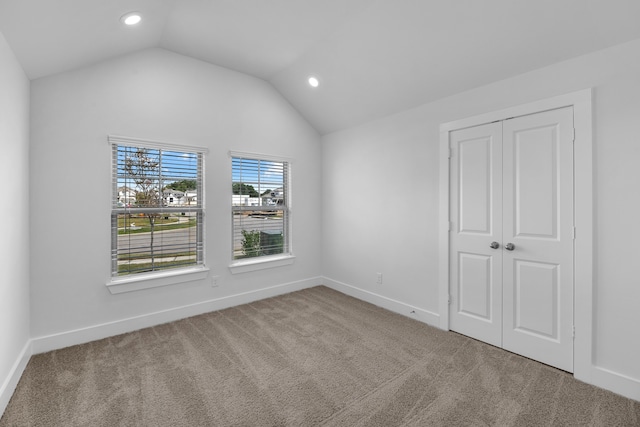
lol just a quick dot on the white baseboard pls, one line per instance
(422, 315)
(616, 382)
(11, 382)
(96, 332)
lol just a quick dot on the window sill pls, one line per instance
(262, 263)
(155, 280)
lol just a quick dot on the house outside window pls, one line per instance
(154, 227)
(260, 207)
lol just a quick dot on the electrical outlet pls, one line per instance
(214, 281)
(379, 281)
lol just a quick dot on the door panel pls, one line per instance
(536, 298)
(538, 220)
(475, 184)
(476, 269)
(535, 175)
(474, 286)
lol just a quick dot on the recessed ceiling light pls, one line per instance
(131, 18)
(313, 81)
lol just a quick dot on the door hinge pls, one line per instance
(450, 152)
(574, 233)
(449, 299)
(573, 137)
(448, 225)
(573, 332)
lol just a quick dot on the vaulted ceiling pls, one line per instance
(373, 57)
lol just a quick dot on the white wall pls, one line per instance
(398, 157)
(157, 95)
(14, 244)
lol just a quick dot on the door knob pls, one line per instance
(509, 246)
(494, 245)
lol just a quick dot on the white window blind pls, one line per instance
(157, 214)
(260, 205)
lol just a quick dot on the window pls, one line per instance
(157, 207)
(260, 205)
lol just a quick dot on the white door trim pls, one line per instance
(583, 208)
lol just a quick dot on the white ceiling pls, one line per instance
(374, 57)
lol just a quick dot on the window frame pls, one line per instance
(182, 274)
(265, 261)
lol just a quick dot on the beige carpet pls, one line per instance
(314, 357)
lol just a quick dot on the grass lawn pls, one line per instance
(140, 224)
(144, 255)
(125, 269)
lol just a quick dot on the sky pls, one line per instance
(263, 175)
(175, 166)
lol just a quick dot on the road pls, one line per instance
(184, 239)
(180, 240)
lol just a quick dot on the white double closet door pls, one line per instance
(512, 233)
